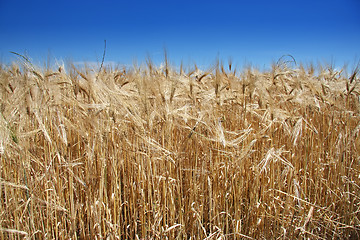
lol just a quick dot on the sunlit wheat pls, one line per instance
(153, 153)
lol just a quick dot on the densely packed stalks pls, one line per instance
(153, 153)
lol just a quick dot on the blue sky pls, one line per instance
(250, 32)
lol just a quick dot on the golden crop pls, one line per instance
(154, 153)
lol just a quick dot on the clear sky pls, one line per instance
(250, 32)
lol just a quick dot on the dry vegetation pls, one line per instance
(154, 153)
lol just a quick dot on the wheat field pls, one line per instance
(155, 152)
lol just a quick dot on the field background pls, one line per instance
(154, 152)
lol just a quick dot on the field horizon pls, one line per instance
(168, 152)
